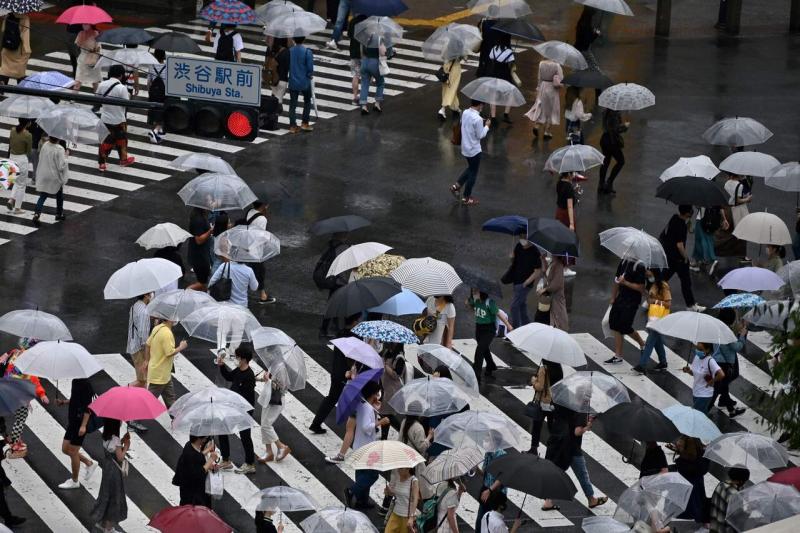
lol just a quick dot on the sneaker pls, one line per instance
(332, 45)
(69, 484)
(127, 162)
(90, 470)
(569, 273)
(640, 369)
(102, 167)
(661, 366)
(694, 267)
(614, 360)
(736, 411)
(294, 129)
(697, 308)
(442, 115)
(246, 469)
(336, 459)
(226, 465)
(153, 136)
(712, 267)
(318, 430)
(305, 126)
(136, 426)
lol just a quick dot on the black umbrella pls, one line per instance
(533, 475)
(21, 7)
(692, 190)
(476, 279)
(340, 224)
(360, 295)
(588, 78)
(125, 36)
(520, 28)
(14, 393)
(552, 236)
(639, 421)
(176, 42)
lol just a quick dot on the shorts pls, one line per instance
(72, 434)
(620, 319)
(139, 366)
(355, 68)
(202, 270)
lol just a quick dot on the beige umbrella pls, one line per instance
(385, 455)
(383, 265)
(763, 228)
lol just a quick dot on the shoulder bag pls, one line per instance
(455, 139)
(221, 290)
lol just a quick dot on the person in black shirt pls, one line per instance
(673, 239)
(611, 144)
(264, 523)
(626, 295)
(243, 382)
(654, 461)
(78, 414)
(199, 253)
(196, 461)
(525, 269)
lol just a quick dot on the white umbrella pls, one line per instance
(427, 276)
(691, 422)
(763, 228)
(453, 463)
(699, 166)
(178, 304)
(494, 91)
(694, 327)
(737, 131)
(434, 355)
(223, 322)
(247, 244)
(627, 97)
(55, 360)
(208, 395)
(217, 192)
(384, 455)
(562, 53)
(25, 106)
(762, 504)
(603, 524)
(749, 164)
(488, 431)
(73, 124)
(141, 277)
(655, 499)
(294, 24)
(274, 8)
(283, 498)
(499, 9)
(631, 244)
(338, 519)
(451, 42)
(740, 449)
(540, 341)
(129, 57)
(428, 397)
(212, 418)
(356, 255)
(574, 158)
(35, 324)
(785, 177)
(162, 235)
(589, 392)
(375, 31)
(612, 6)
(202, 161)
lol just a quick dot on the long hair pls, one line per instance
(23, 123)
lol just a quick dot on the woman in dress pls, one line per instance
(546, 110)
(444, 310)
(196, 461)
(111, 506)
(20, 146)
(565, 201)
(501, 65)
(78, 414)
(86, 41)
(452, 68)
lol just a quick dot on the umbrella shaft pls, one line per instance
(81, 97)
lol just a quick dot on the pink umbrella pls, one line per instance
(83, 15)
(127, 403)
(358, 350)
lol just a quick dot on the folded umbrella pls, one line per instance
(520, 28)
(573, 158)
(50, 80)
(376, 31)
(162, 235)
(494, 91)
(403, 303)
(655, 499)
(749, 164)
(222, 323)
(247, 244)
(475, 279)
(203, 161)
(340, 224)
(509, 224)
(274, 8)
(532, 475)
(55, 360)
(25, 106)
(738, 131)
(124, 36)
(35, 324)
(612, 6)
(631, 244)
(194, 518)
(740, 300)
(283, 498)
(588, 79)
(212, 418)
(692, 422)
(431, 356)
(83, 14)
(553, 237)
(384, 455)
(178, 304)
(176, 42)
(488, 431)
(751, 279)
(452, 41)
(15, 393)
(694, 327)
(454, 463)
(385, 331)
(428, 397)
(294, 24)
(217, 192)
(358, 350)
(231, 12)
(141, 277)
(640, 421)
(627, 97)
(540, 341)
(699, 166)
(690, 190)
(356, 255)
(762, 504)
(562, 53)
(763, 228)
(127, 403)
(209, 395)
(338, 519)
(499, 9)
(351, 394)
(361, 294)
(427, 276)
(788, 476)
(380, 8)
(740, 449)
(73, 124)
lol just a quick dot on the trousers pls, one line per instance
(484, 334)
(470, 174)
(247, 444)
(681, 268)
(293, 98)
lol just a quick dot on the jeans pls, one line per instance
(703, 245)
(579, 468)
(484, 334)
(681, 268)
(370, 69)
(610, 151)
(701, 404)
(59, 202)
(364, 480)
(341, 20)
(519, 305)
(293, 97)
(654, 340)
(470, 175)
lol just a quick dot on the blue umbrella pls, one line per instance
(385, 331)
(14, 393)
(351, 395)
(510, 224)
(50, 81)
(404, 303)
(742, 299)
(692, 422)
(378, 8)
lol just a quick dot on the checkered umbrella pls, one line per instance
(21, 6)
(627, 97)
(228, 12)
(427, 276)
(385, 455)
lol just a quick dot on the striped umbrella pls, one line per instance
(21, 6)
(228, 12)
(385, 331)
(385, 455)
(451, 464)
(427, 276)
(742, 299)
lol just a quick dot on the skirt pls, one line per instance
(111, 505)
(87, 74)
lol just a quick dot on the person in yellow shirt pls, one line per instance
(161, 351)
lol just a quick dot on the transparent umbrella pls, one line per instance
(699, 166)
(772, 314)
(589, 392)
(756, 164)
(762, 504)
(488, 431)
(294, 24)
(207, 396)
(50, 80)
(73, 124)
(574, 158)
(451, 42)
(612, 6)
(654, 499)
(25, 106)
(178, 304)
(429, 396)
(221, 323)
(453, 463)
(500, 9)
(631, 244)
(790, 274)
(494, 91)
(375, 31)
(737, 131)
(603, 524)
(433, 355)
(275, 8)
(162, 235)
(217, 192)
(540, 341)
(338, 520)
(126, 56)
(246, 244)
(35, 324)
(562, 53)
(627, 97)
(785, 177)
(283, 498)
(55, 360)
(141, 277)
(203, 161)
(282, 357)
(212, 418)
(741, 448)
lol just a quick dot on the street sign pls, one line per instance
(218, 81)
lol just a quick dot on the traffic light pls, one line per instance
(211, 119)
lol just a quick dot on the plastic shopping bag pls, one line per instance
(606, 328)
(214, 485)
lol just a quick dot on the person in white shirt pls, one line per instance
(113, 116)
(493, 522)
(257, 218)
(706, 372)
(473, 129)
(242, 279)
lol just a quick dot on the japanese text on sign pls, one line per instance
(220, 81)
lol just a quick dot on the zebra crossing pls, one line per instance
(154, 453)
(88, 187)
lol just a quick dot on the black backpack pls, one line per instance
(11, 35)
(269, 112)
(225, 51)
(158, 90)
(712, 219)
(247, 221)
(320, 275)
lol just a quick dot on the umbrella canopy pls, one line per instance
(15, 393)
(384, 455)
(57, 360)
(338, 520)
(494, 91)
(24, 106)
(73, 124)
(217, 192)
(553, 237)
(762, 504)
(356, 255)
(403, 303)
(195, 518)
(631, 244)
(763, 228)
(488, 431)
(654, 499)
(740, 449)
(640, 421)
(285, 360)
(454, 463)
(692, 422)
(35, 324)
(203, 161)
(283, 498)
(375, 31)
(380, 8)
(612, 6)
(694, 327)
(689, 190)
(603, 524)
(738, 131)
(790, 273)
(533, 475)
(178, 304)
(385, 331)
(176, 42)
(429, 396)
(125, 36)
(351, 394)
(475, 279)
(275, 8)
(222, 322)
(127, 403)
(451, 42)
(562, 53)
(83, 14)
(230, 12)
(361, 294)
(162, 235)
(772, 315)
(573, 158)
(247, 244)
(380, 266)
(340, 224)
(49, 81)
(749, 164)
(500, 9)
(21, 7)
(789, 476)
(627, 97)
(739, 300)
(589, 392)
(520, 28)
(212, 418)
(358, 350)
(427, 276)
(508, 224)
(699, 166)
(294, 24)
(589, 79)
(141, 277)
(785, 177)
(431, 356)
(540, 341)
(209, 395)
(751, 279)
(131, 57)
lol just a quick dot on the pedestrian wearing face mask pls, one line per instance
(659, 299)
(706, 371)
(243, 382)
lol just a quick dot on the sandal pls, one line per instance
(470, 201)
(455, 190)
(600, 501)
(553, 508)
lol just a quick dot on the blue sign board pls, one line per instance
(219, 81)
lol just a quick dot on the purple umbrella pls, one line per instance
(359, 351)
(351, 394)
(751, 279)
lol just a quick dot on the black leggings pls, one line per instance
(611, 150)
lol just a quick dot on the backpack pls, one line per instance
(225, 51)
(270, 77)
(712, 219)
(268, 113)
(158, 90)
(11, 35)
(424, 325)
(247, 221)
(320, 275)
(426, 519)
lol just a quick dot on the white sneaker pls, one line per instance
(697, 308)
(69, 484)
(246, 469)
(332, 45)
(90, 470)
(569, 273)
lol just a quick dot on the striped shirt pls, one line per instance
(138, 327)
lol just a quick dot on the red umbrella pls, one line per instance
(127, 403)
(789, 476)
(194, 518)
(83, 15)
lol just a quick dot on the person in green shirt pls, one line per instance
(486, 315)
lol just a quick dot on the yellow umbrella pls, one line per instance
(385, 455)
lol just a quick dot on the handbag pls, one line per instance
(383, 66)
(424, 325)
(605, 324)
(214, 485)
(442, 75)
(221, 290)
(455, 138)
(656, 310)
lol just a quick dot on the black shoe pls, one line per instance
(348, 498)
(661, 366)
(507, 119)
(35, 220)
(736, 412)
(318, 430)
(614, 360)
(61, 217)
(640, 369)
(12, 521)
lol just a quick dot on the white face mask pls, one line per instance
(523, 242)
(651, 279)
